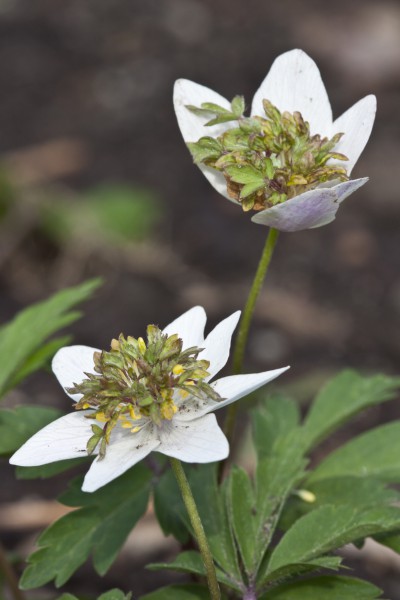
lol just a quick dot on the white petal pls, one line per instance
(64, 438)
(198, 441)
(309, 210)
(234, 387)
(70, 365)
(344, 189)
(294, 84)
(356, 124)
(218, 343)
(189, 327)
(192, 126)
(124, 450)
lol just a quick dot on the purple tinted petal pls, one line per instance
(311, 209)
(346, 188)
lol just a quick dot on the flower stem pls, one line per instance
(241, 339)
(197, 525)
(9, 576)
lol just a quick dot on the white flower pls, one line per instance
(292, 84)
(191, 434)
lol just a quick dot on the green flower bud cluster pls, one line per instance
(136, 382)
(266, 160)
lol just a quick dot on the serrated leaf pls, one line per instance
(353, 491)
(191, 562)
(99, 527)
(19, 424)
(328, 528)
(242, 514)
(276, 476)
(372, 454)
(297, 569)
(328, 587)
(21, 337)
(206, 148)
(189, 591)
(49, 470)
(272, 419)
(343, 397)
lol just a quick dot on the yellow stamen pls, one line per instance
(135, 429)
(132, 413)
(100, 416)
(306, 496)
(178, 369)
(167, 410)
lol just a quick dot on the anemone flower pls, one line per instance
(143, 396)
(289, 161)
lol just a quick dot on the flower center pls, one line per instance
(266, 160)
(136, 382)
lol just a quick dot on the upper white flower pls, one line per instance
(191, 434)
(292, 84)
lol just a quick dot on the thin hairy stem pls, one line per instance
(198, 528)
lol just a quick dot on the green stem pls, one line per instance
(9, 576)
(243, 333)
(197, 525)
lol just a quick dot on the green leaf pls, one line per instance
(19, 424)
(39, 359)
(67, 597)
(100, 527)
(171, 513)
(238, 106)
(372, 454)
(273, 419)
(115, 595)
(169, 508)
(328, 528)
(189, 591)
(246, 175)
(297, 569)
(242, 513)
(328, 587)
(343, 397)
(205, 149)
(25, 334)
(353, 491)
(250, 188)
(276, 476)
(49, 470)
(191, 562)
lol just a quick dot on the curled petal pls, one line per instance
(124, 450)
(70, 365)
(344, 189)
(218, 344)
(294, 84)
(198, 441)
(356, 124)
(312, 209)
(64, 438)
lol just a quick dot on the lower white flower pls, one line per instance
(141, 397)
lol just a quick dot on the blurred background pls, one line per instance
(95, 180)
